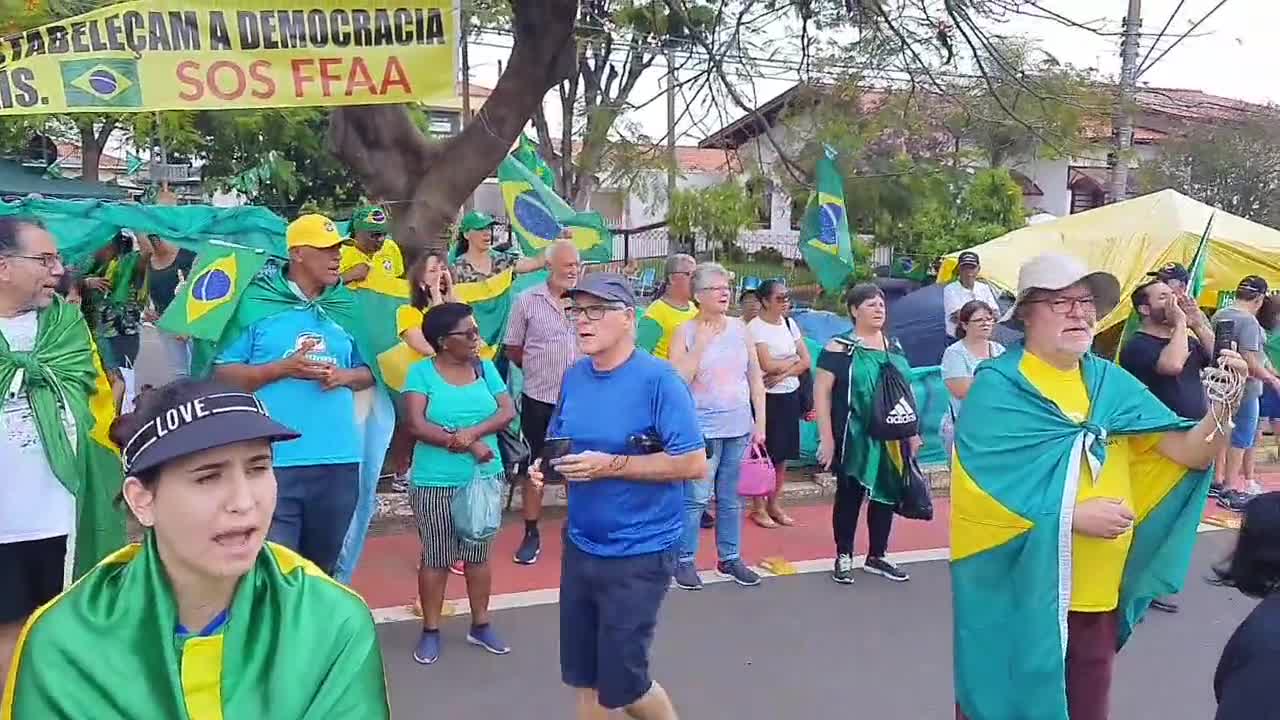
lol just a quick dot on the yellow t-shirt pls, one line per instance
(1097, 564)
(408, 317)
(659, 324)
(387, 262)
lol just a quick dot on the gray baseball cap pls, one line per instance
(607, 286)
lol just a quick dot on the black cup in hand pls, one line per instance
(553, 448)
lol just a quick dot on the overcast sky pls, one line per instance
(1236, 53)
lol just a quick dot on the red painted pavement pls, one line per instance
(387, 575)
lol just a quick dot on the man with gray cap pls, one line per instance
(634, 436)
(1075, 498)
(964, 288)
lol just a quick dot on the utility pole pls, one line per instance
(1123, 121)
(671, 128)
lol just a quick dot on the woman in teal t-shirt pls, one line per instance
(455, 404)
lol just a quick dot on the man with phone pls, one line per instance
(542, 343)
(1233, 492)
(634, 429)
(1167, 354)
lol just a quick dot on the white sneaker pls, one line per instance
(1254, 488)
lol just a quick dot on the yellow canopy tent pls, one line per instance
(1131, 238)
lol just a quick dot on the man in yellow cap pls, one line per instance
(305, 369)
(371, 257)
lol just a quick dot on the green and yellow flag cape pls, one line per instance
(296, 645)
(73, 408)
(1014, 480)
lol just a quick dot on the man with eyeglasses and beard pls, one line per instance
(1075, 497)
(634, 438)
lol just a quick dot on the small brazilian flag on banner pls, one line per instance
(101, 83)
(825, 243)
(208, 298)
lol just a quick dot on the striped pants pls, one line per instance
(440, 545)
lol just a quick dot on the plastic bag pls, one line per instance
(477, 507)
(916, 502)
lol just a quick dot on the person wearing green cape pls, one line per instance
(61, 471)
(203, 618)
(1075, 497)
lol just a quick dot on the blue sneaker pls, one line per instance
(485, 637)
(686, 577)
(737, 571)
(428, 650)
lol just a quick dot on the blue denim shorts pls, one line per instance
(1246, 429)
(608, 614)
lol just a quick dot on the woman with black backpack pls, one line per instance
(868, 432)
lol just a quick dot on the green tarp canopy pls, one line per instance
(17, 180)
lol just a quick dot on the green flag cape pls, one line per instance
(73, 407)
(877, 464)
(1014, 480)
(296, 644)
(825, 243)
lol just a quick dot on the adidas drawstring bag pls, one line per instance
(893, 412)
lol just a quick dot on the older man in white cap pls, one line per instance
(1075, 498)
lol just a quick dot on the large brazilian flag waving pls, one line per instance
(825, 243)
(538, 216)
(1014, 479)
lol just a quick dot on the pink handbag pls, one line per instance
(756, 477)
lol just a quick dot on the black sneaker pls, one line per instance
(1215, 490)
(885, 569)
(1234, 500)
(843, 571)
(737, 571)
(708, 520)
(1164, 604)
(686, 577)
(529, 550)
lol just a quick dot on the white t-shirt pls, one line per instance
(36, 506)
(955, 295)
(781, 341)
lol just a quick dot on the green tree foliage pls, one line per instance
(1236, 168)
(717, 213)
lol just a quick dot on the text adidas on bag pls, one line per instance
(901, 414)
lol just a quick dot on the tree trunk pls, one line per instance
(425, 183)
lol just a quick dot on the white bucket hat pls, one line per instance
(1053, 271)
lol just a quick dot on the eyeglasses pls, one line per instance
(716, 288)
(471, 334)
(1064, 305)
(982, 320)
(593, 312)
(377, 235)
(48, 260)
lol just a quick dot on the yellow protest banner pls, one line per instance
(149, 55)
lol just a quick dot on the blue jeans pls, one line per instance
(313, 509)
(1245, 432)
(723, 469)
(378, 428)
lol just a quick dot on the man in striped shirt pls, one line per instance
(543, 344)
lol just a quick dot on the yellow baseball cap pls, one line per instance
(312, 230)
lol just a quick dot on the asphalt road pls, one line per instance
(805, 647)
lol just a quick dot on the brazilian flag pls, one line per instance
(107, 648)
(1015, 475)
(527, 154)
(538, 216)
(825, 243)
(101, 83)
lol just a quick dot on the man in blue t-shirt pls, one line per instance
(304, 367)
(635, 440)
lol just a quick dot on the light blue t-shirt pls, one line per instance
(958, 362)
(602, 411)
(326, 419)
(454, 407)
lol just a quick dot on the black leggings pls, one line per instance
(844, 518)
